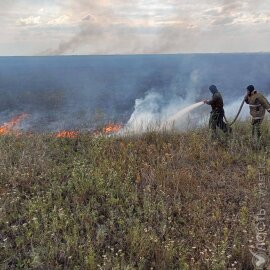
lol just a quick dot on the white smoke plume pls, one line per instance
(151, 113)
(156, 111)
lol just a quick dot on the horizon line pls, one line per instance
(136, 54)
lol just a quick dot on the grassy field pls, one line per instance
(155, 201)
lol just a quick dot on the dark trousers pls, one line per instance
(216, 120)
(256, 128)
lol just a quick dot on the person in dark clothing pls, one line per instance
(217, 113)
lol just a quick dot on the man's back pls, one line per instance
(258, 104)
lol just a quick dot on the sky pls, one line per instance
(73, 27)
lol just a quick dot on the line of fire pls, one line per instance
(12, 128)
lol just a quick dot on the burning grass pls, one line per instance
(67, 134)
(107, 130)
(155, 201)
(10, 127)
(112, 128)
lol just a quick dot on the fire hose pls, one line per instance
(236, 117)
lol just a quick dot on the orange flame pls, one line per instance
(8, 127)
(112, 128)
(67, 134)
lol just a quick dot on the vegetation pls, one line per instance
(156, 201)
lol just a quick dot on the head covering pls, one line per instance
(213, 89)
(251, 88)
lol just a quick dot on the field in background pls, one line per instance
(155, 201)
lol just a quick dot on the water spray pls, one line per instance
(179, 115)
(182, 113)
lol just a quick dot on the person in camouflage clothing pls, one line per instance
(258, 104)
(217, 113)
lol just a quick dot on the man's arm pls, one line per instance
(212, 101)
(265, 103)
(246, 99)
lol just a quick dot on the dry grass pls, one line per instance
(155, 201)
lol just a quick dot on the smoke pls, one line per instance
(106, 29)
(95, 38)
(85, 92)
(87, 33)
(133, 27)
(152, 113)
(156, 111)
(232, 108)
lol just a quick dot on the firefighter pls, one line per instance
(258, 104)
(217, 113)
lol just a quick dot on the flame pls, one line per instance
(67, 134)
(8, 127)
(112, 128)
